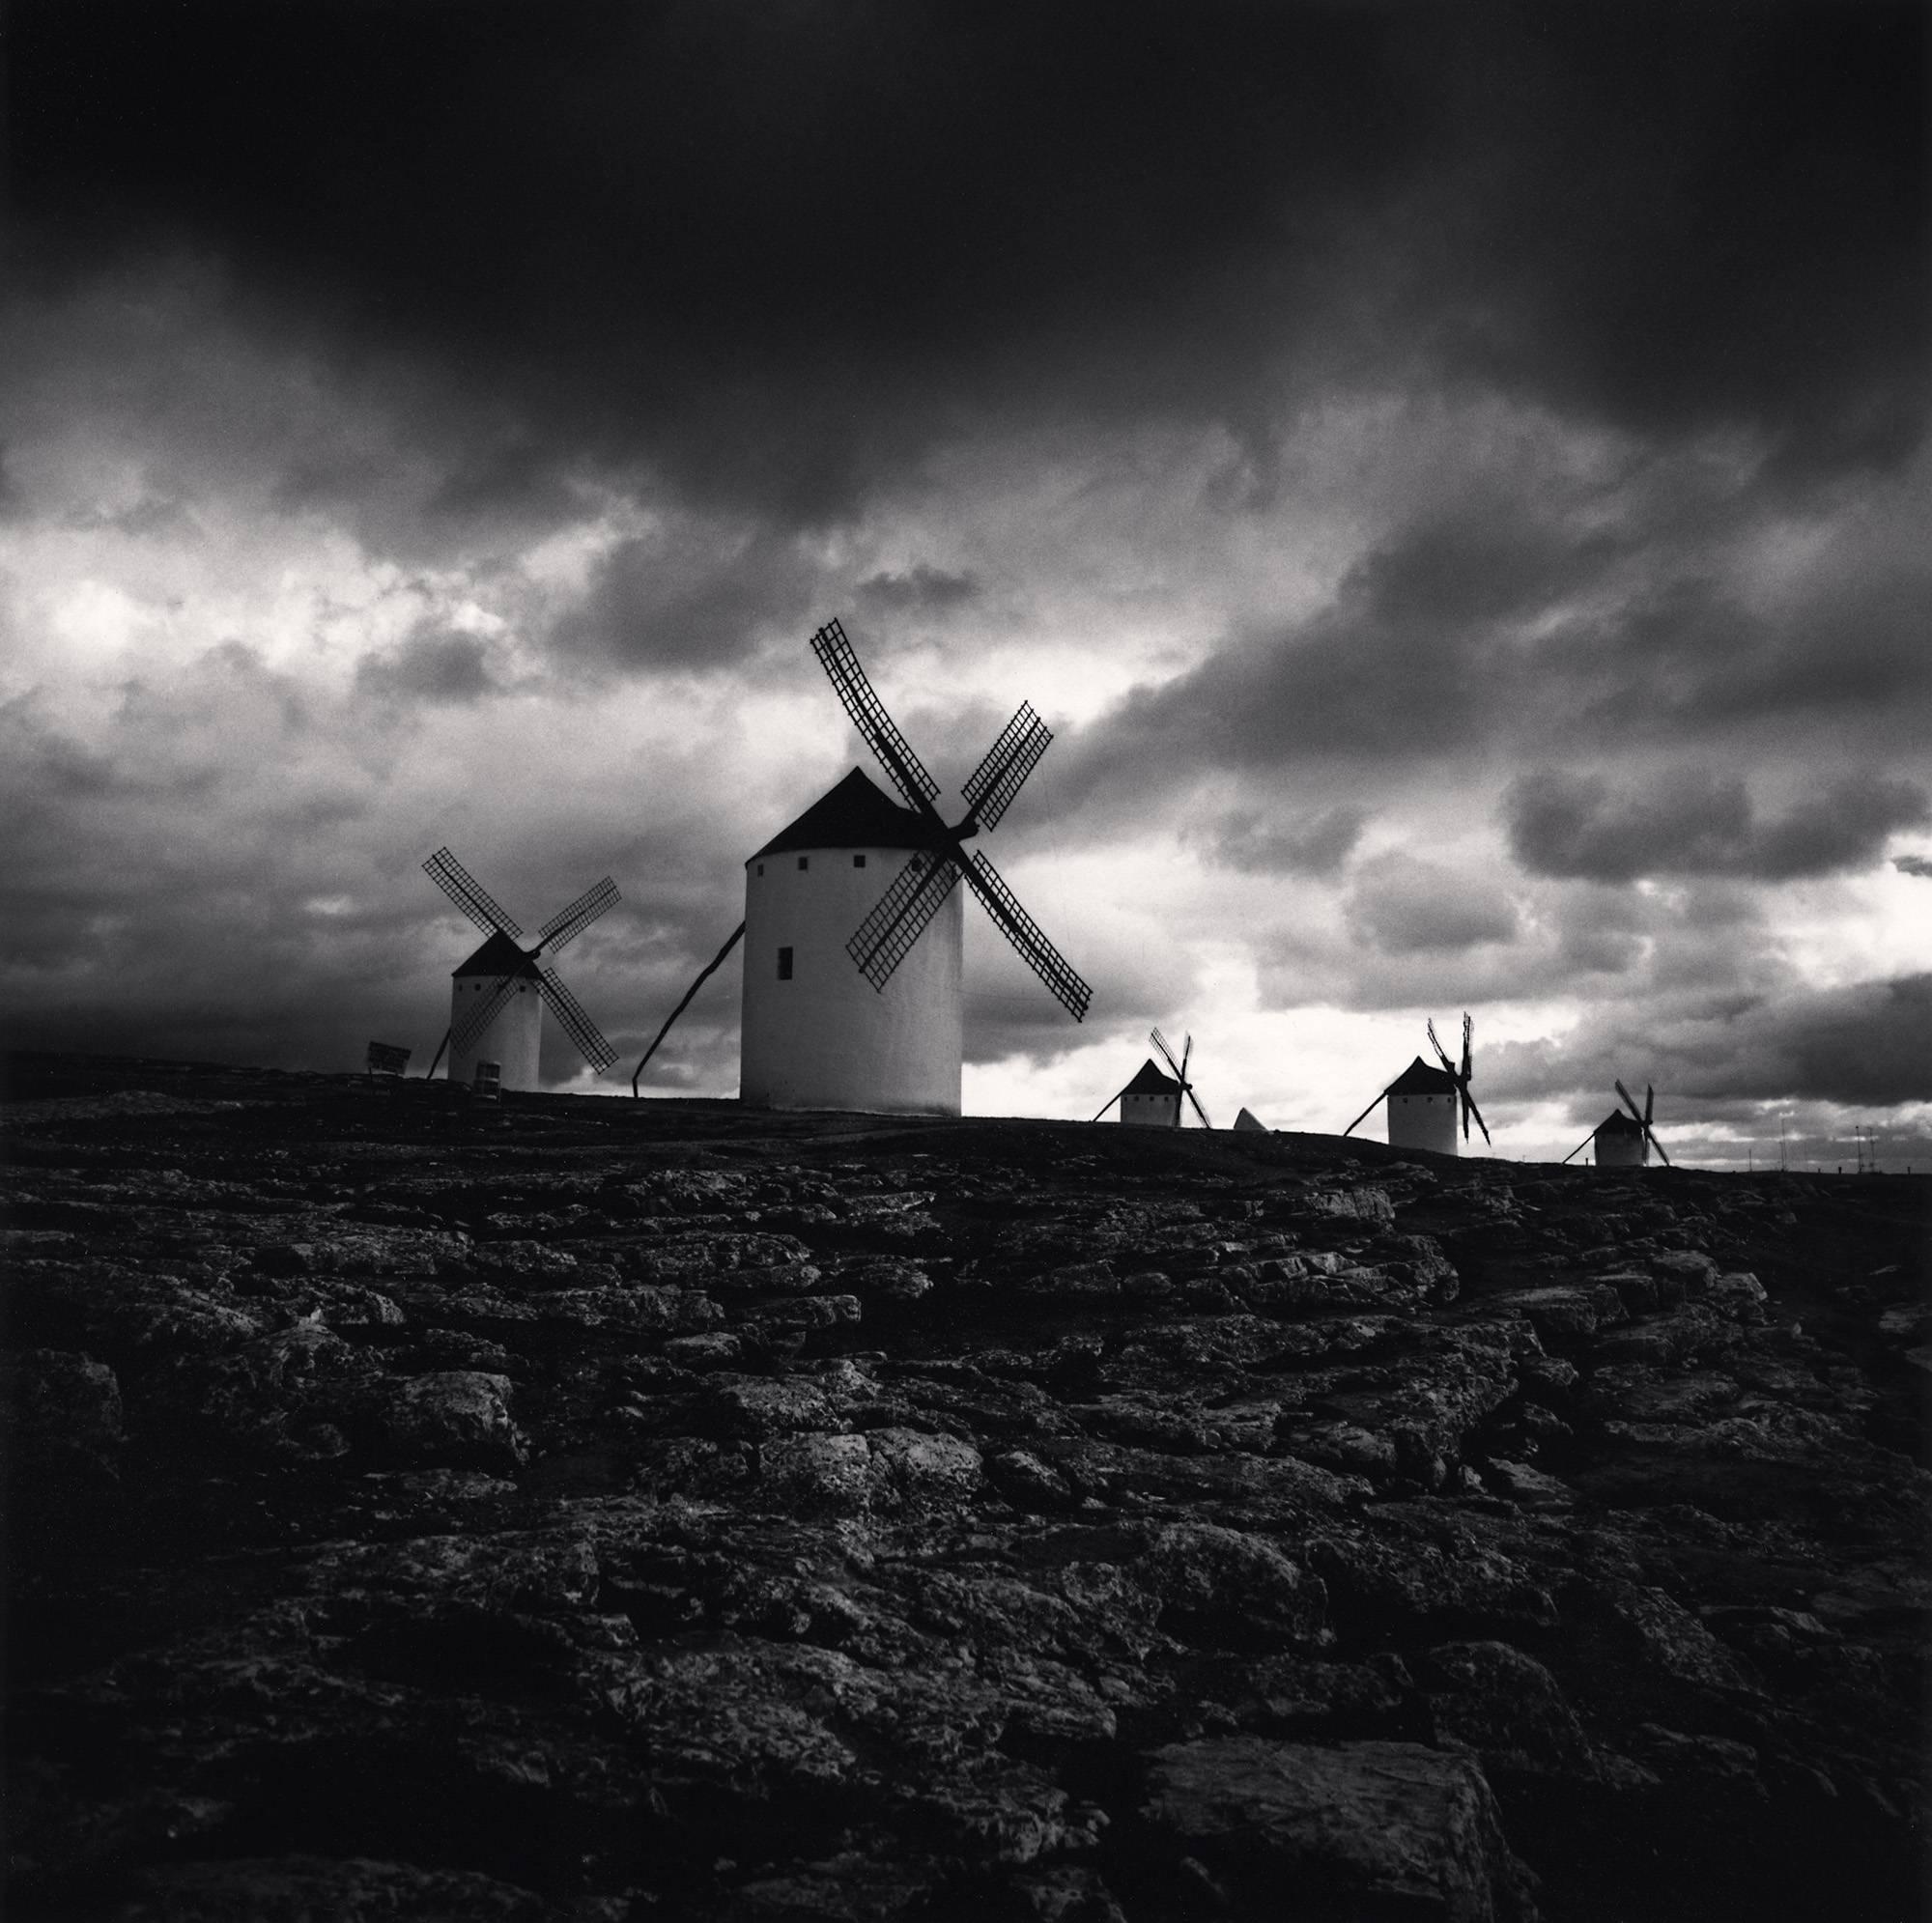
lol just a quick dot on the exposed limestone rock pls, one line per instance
(606, 1511)
(1361, 1829)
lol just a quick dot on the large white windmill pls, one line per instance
(1151, 1100)
(853, 994)
(498, 994)
(1423, 1101)
(1624, 1140)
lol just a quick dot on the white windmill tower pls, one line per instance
(853, 994)
(1151, 1100)
(1423, 1101)
(1624, 1140)
(498, 994)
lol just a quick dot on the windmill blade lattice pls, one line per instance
(567, 924)
(1024, 933)
(467, 894)
(876, 728)
(571, 1019)
(886, 935)
(991, 786)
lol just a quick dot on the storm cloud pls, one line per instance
(778, 251)
(1690, 821)
(1454, 483)
(1867, 1045)
(1403, 905)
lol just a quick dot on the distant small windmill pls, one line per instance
(498, 994)
(1424, 1101)
(1153, 1099)
(1624, 1140)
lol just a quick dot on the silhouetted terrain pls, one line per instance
(616, 1511)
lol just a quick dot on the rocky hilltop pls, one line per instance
(606, 1511)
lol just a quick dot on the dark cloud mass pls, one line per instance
(779, 249)
(689, 597)
(1690, 821)
(1315, 843)
(1914, 864)
(1868, 1045)
(921, 590)
(428, 666)
(1403, 905)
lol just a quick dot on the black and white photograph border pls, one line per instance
(800, 1413)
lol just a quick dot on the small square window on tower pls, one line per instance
(761, 868)
(803, 863)
(784, 964)
(858, 860)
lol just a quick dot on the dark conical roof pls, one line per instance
(1419, 1079)
(855, 814)
(498, 955)
(1616, 1123)
(1151, 1082)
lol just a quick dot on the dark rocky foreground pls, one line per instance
(597, 1510)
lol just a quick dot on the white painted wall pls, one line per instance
(827, 1038)
(511, 1039)
(1423, 1122)
(1152, 1110)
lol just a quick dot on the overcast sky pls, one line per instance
(1454, 479)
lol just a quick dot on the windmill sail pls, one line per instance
(876, 728)
(564, 926)
(990, 788)
(1024, 933)
(1461, 1077)
(571, 1019)
(887, 934)
(1180, 1069)
(477, 1015)
(467, 894)
(1643, 1120)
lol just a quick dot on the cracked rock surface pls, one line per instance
(596, 1509)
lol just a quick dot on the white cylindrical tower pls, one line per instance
(1620, 1143)
(1422, 1109)
(511, 1036)
(816, 1033)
